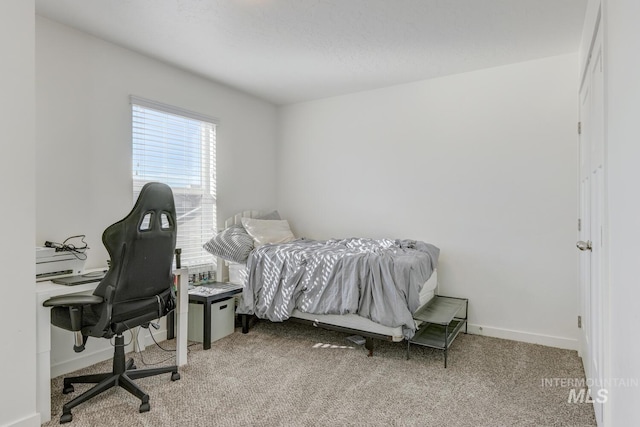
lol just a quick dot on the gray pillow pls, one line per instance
(232, 244)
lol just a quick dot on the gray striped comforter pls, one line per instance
(377, 279)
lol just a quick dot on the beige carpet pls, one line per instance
(279, 375)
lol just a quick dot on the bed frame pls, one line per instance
(319, 320)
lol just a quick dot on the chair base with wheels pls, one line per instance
(122, 375)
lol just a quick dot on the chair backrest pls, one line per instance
(141, 247)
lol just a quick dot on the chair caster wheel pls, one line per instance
(175, 376)
(133, 367)
(145, 407)
(68, 389)
(66, 418)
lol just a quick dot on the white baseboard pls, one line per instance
(159, 336)
(32, 420)
(88, 359)
(528, 337)
(84, 360)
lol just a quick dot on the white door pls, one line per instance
(591, 229)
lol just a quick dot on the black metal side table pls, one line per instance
(207, 295)
(443, 318)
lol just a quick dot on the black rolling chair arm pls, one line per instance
(75, 303)
(72, 300)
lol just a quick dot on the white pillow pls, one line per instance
(265, 231)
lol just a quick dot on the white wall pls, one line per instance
(83, 142)
(17, 171)
(622, 86)
(84, 134)
(481, 164)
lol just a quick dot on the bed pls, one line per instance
(419, 289)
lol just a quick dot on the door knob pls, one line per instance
(584, 246)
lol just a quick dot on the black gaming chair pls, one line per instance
(136, 290)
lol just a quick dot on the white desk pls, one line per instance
(46, 290)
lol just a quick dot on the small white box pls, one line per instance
(222, 320)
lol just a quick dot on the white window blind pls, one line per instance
(178, 147)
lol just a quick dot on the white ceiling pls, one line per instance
(288, 51)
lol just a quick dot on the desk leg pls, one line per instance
(43, 384)
(182, 312)
(171, 325)
(206, 342)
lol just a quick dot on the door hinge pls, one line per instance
(580, 322)
(579, 224)
(579, 128)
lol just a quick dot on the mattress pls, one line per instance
(238, 272)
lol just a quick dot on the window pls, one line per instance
(178, 147)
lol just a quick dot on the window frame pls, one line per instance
(208, 174)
